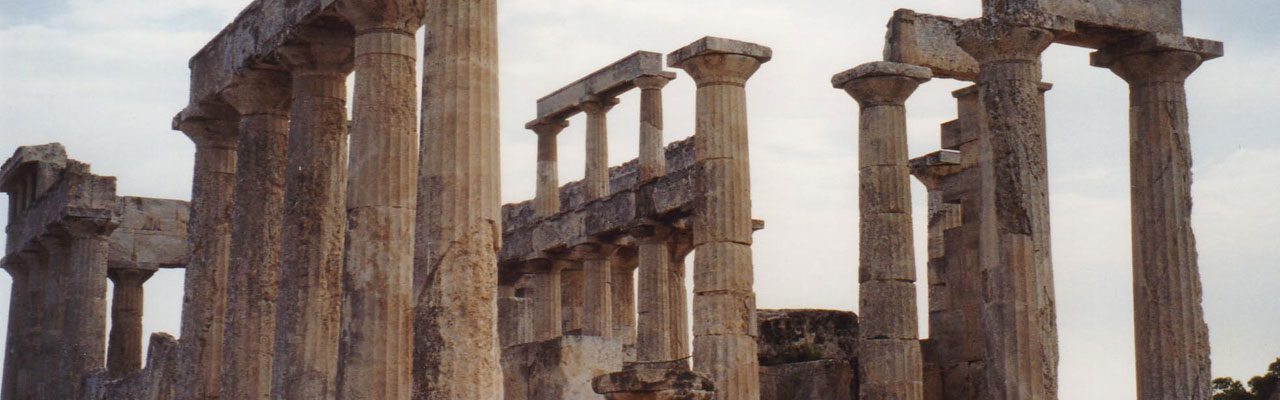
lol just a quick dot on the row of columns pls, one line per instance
(282, 222)
(1011, 227)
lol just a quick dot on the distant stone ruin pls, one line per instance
(372, 259)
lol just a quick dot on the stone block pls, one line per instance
(884, 189)
(953, 136)
(809, 380)
(885, 248)
(560, 368)
(654, 384)
(606, 82)
(888, 310)
(792, 336)
(882, 361)
(733, 267)
(1164, 16)
(928, 41)
(735, 311)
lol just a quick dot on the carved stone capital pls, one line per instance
(719, 61)
(881, 83)
(211, 133)
(319, 50)
(1161, 66)
(547, 126)
(368, 15)
(652, 82)
(134, 277)
(991, 41)
(594, 251)
(598, 106)
(259, 91)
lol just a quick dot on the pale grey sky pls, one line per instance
(104, 77)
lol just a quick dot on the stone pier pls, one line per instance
(124, 350)
(1171, 334)
(1018, 303)
(377, 302)
(889, 354)
(262, 98)
(456, 353)
(309, 303)
(724, 345)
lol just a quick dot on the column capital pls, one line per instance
(211, 133)
(373, 15)
(931, 168)
(988, 40)
(88, 227)
(653, 82)
(649, 232)
(595, 105)
(594, 251)
(546, 126)
(319, 51)
(129, 276)
(719, 61)
(256, 91)
(1159, 66)
(881, 83)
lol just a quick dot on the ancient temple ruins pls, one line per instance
(372, 259)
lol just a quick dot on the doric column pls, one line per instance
(546, 201)
(597, 286)
(653, 339)
(204, 302)
(124, 351)
(262, 99)
(456, 353)
(596, 175)
(84, 292)
(547, 323)
(680, 245)
(513, 311)
(49, 268)
(571, 276)
(1018, 303)
(18, 343)
(622, 300)
(653, 162)
(889, 353)
(376, 331)
(724, 346)
(315, 216)
(1171, 334)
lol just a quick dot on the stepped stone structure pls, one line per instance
(370, 258)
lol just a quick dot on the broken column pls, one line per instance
(1018, 302)
(262, 98)
(209, 244)
(124, 351)
(724, 335)
(315, 215)
(377, 301)
(1171, 335)
(889, 355)
(456, 351)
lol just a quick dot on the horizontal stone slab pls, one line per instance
(76, 195)
(606, 82)
(1207, 49)
(717, 45)
(928, 41)
(152, 234)
(1163, 16)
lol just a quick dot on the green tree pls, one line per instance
(1262, 387)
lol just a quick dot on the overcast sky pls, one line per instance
(104, 77)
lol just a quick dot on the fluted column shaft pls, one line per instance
(622, 291)
(49, 359)
(376, 330)
(888, 325)
(724, 346)
(596, 175)
(571, 276)
(547, 322)
(654, 319)
(17, 343)
(456, 354)
(262, 99)
(546, 200)
(1171, 335)
(597, 286)
(1018, 304)
(124, 351)
(315, 217)
(680, 244)
(204, 302)
(653, 161)
(85, 292)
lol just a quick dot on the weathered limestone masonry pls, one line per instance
(67, 234)
(808, 354)
(891, 367)
(999, 183)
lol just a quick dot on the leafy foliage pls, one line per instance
(1260, 387)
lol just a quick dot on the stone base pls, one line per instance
(559, 368)
(810, 380)
(654, 381)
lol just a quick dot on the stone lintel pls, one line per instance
(645, 380)
(881, 68)
(606, 82)
(929, 41)
(1163, 16)
(717, 45)
(249, 40)
(1155, 42)
(74, 195)
(152, 234)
